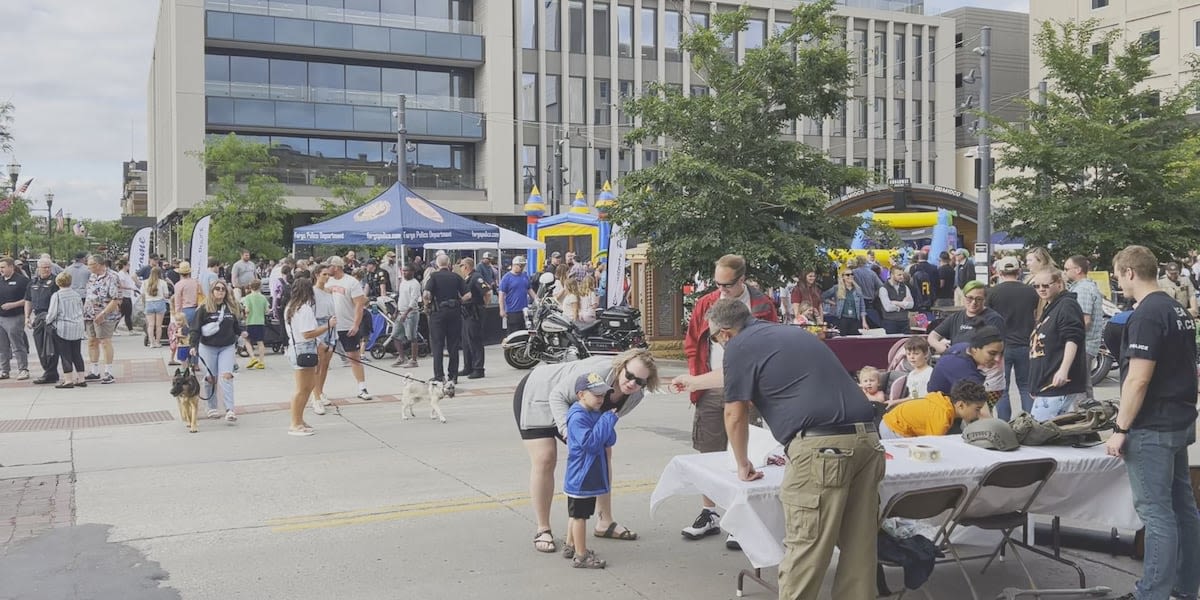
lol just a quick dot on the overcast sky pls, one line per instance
(76, 71)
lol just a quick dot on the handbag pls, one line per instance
(303, 359)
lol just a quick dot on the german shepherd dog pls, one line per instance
(186, 389)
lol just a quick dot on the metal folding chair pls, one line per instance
(927, 504)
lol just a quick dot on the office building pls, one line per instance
(133, 188)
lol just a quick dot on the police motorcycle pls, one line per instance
(551, 337)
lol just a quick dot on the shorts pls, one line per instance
(581, 508)
(156, 307)
(1048, 407)
(255, 333)
(534, 433)
(708, 422)
(349, 342)
(406, 328)
(183, 353)
(102, 331)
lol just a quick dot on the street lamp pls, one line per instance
(49, 225)
(14, 172)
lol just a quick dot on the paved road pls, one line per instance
(103, 494)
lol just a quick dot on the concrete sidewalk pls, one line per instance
(104, 494)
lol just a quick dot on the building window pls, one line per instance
(649, 33)
(603, 102)
(1196, 34)
(898, 42)
(1099, 4)
(932, 130)
(859, 38)
(916, 72)
(916, 119)
(898, 108)
(839, 120)
(602, 168)
(699, 90)
(755, 33)
(529, 169)
(649, 158)
(917, 172)
(529, 24)
(625, 31)
(1150, 42)
(814, 127)
(880, 54)
(672, 34)
(933, 172)
(577, 172)
(1101, 49)
(577, 27)
(880, 169)
(529, 97)
(600, 30)
(898, 168)
(860, 117)
(931, 59)
(551, 98)
(578, 104)
(626, 92)
(553, 25)
(880, 118)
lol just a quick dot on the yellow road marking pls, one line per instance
(423, 509)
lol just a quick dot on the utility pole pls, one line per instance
(556, 169)
(985, 140)
(401, 142)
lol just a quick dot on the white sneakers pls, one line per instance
(708, 523)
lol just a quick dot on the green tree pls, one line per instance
(349, 190)
(246, 205)
(729, 182)
(6, 119)
(1108, 161)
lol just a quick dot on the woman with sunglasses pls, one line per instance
(1057, 359)
(323, 309)
(849, 311)
(540, 406)
(215, 336)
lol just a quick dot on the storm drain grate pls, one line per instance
(18, 425)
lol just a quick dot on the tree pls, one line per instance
(1108, 161)
(729, 182)
(6, 119)
(247, 207)
(346, 187)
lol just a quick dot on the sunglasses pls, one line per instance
(631, 377)
(727, 285)
(1042, 286)
(219, 289)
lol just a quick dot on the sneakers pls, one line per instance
(4, 375)
(212, 413)
(325, 401)
(317, 406)
(230, 417)
(731, 543)
(258, 364)
(363, 395)
(708, 523)
(88, 377)
(252, 363)
(411, 364)
(400, 362)
(108, 378)
(23, 374)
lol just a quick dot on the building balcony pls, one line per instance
(298, 178)
(237, 112)
(322, 95)
(390, 36)
(291, 10)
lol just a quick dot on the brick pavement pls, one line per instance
(31, 505)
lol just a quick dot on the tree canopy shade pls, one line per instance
(247, 207)
(1108, 161)
(729, 182)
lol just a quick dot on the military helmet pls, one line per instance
(993, 434)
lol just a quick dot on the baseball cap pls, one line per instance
(1008, 264)
(593, 383)
(335, 261)
(80, 255)
(371, 261)
(993, 434)
(555, 255)
(487, 254)
(520, 260)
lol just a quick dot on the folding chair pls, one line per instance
(926, 504)
(1014, 513)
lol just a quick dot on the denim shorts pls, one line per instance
(156, 307)
(1048, 407)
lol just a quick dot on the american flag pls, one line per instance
(25, 188)
(59, 217)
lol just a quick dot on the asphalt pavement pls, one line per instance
(104, 494)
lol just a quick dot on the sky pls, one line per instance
(76, 72)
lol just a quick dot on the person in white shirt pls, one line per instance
(408, 317)
(349, 300)
(917, 351)
(130, 287)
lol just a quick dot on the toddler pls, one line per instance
(869, 381)
(178, 334)
(590, 430)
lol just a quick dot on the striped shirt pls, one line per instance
(66, 314)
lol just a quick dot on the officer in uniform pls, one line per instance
(444, 294)
(377, 281)
(37, 302)
(472, 311)
(830, 490)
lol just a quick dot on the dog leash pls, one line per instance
(389, 372)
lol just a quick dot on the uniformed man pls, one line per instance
(37, 302)
(830, 490)
(377, 281)
(472, 312)
(444, 294)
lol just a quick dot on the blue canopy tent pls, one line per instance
(397, 217)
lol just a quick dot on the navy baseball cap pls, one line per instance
(593, 383)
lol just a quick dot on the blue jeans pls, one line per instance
(1048, 407)
(1016, 359)
(217, 361)
(1157, 462)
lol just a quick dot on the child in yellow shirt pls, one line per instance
(936, 414)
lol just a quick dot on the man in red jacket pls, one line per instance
(706, 378)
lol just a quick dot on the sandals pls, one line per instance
(545, 546)
(568, 551)
(611, 534)
(588, 560)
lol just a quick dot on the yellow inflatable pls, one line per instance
(907, 220)
(883, 257)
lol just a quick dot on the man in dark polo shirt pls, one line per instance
(830, 490)
(13, 343)
(37, 302)
(444, 294)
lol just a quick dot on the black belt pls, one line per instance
(832, 430)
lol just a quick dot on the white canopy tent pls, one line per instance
(509, 240)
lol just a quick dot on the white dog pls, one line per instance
(434, 391)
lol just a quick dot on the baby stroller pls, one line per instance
(383, 317)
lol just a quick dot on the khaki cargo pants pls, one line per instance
(830, 496)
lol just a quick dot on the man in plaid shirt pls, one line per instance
(1088, 295)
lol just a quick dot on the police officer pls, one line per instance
(444, 294)
(37, 302)
(826, 424)
(377, 281)
(472, 311)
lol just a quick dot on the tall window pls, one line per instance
(898, 168)
(932, 60)
(839, 120)
(898, 42)
(578, 33)
(626, 92)
(859, 38)
(625, 31)
(880, 54)
(756, 33)
(553, 112)
(672, 32)
(699, 90)
(529, 170)
(1149, 40)
(860, 117)
(553, 23)
(578, 103)
(699, 20)
(932, 131)
(603, 166)
(880, 169)
(916, 119)
(917, 172)
(898, 108)
(600, 30)
(916, 72)
(649, 33)
(529, 24)
(881, 118)
(529, 97)
(603, 102)
(577, 173)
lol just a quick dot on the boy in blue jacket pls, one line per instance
(590, 429)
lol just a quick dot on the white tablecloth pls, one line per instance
(1088, 489)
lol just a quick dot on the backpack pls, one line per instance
(1080, 427)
